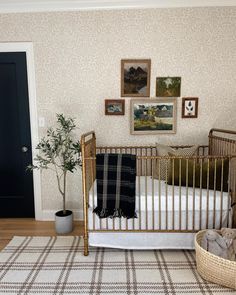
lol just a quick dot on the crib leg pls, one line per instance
(86, 251)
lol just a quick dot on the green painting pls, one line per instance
(168, 86)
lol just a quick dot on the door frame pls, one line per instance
(27, 47)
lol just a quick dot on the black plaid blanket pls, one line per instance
(116, 177)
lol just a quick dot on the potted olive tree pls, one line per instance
(59, 152)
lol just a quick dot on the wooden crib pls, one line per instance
(166, 209)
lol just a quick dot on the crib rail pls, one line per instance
(145, 151)
(181, 202)
(222, 142)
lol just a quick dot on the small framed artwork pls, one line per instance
(114, 107)
(168, 86)
(153, 116)
(135, 77)
(189, 107)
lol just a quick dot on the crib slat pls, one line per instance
(146, 196)
(113, 220)
(228, 197)
(200, 199)
(173, 194)
(139, 189)
(221, 192)
(159, 192)
(194, 178)
(166, 194)
(153, 200)
(180, 192)
(186, 194)
(126, 151)
(214, 201)
(207, 205)
(133, 223)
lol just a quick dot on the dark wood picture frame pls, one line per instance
(135, 77)
(189, 107)
(114, 107)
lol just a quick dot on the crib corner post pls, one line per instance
(86, 251)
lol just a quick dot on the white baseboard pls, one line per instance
(15, 6)
(49, 215)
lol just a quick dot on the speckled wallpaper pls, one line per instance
(77, 61)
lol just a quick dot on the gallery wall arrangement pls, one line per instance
(150, 115)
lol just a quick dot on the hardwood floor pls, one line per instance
(30, 227)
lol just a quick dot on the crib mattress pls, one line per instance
(152, 194)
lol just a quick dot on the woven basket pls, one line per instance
(213, 268)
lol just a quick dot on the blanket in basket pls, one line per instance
(116, 176)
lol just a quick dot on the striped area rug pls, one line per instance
(56, 265)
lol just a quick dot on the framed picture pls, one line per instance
(114, 107)
(189, 107)
(168, 86)
(153, 116)
(135, 77)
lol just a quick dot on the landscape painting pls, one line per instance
(135, 77)
(155, 116)
(168, 86)
(114, 107)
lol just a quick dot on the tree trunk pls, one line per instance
(64, 194)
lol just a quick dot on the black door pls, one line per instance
(16, 184)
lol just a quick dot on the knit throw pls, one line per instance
(116, 176)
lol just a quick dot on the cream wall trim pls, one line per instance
(49, 215)
(28, 48)
(13, 6)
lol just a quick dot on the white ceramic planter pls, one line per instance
(64, 223)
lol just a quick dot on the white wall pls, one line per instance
(77, 60)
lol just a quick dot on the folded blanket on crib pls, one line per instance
(116, 176)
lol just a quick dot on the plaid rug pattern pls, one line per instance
(56, 265)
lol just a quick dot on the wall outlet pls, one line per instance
(41, 122)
